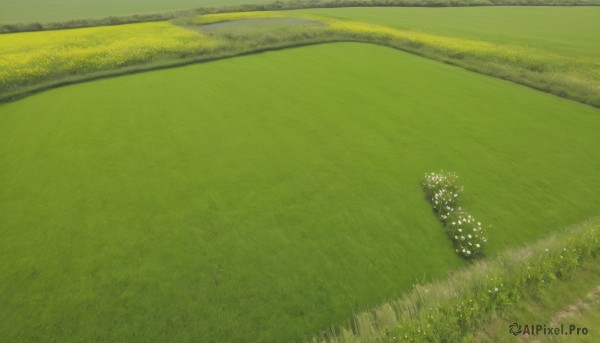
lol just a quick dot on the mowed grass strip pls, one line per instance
(266, 197)
(225, 17)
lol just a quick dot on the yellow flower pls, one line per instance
(31, 57)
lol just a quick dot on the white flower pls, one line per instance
(477, 245)
(496, 289)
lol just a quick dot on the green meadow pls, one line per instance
(274, 192)
(563, 30)
(553, 49)
(266, 197)
(15, 11)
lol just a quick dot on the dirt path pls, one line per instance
(577, 307)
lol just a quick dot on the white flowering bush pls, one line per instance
(443, 191)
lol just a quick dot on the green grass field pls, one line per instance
(267, 197)
(14, 11)
(554, 49)
(563, 30)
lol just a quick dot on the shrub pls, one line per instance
(443, 191)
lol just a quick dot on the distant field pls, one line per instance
(14, 11)
(566, 30)
(267, 196)
(37, 57)
(550, 49)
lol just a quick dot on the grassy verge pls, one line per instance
(454, 310)
(575, 301)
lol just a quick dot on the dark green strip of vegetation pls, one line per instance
(278, 6)
(452, 310)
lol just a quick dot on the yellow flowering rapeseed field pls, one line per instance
(34, 57)
(451, 46)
